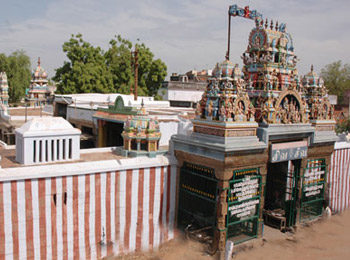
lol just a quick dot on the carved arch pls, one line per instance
(293, 93)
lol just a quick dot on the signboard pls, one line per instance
(314, 177)
(243, 204)
(244, 195)
(313, 187)
(288, 151)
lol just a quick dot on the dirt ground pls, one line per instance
(321, 240)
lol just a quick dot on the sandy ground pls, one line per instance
(321, 240)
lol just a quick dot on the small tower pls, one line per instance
(141, 135)
(4, 97)
(38, 91)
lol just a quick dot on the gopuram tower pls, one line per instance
(261, 142)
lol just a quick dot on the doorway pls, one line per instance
(281, 194)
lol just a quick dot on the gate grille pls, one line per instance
(243, 205)
(197, 196)
(313, 187)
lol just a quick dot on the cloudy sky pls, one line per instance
(185, 34)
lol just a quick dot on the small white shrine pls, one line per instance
(45, 140)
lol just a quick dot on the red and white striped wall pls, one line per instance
(87, 216)
(339, 178)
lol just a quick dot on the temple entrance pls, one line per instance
(281, 195)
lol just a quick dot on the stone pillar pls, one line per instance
(221, 212)
(223, 175)
(263, 173)
(138, 143)
(101, 136)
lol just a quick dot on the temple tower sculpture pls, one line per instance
(222, 153)
(38, 91)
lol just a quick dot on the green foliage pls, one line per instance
(86, 72)
(17, 67)
(91, 70)
(118, 60)
(337, 79)
(343, 126)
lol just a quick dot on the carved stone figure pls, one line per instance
(210, 109)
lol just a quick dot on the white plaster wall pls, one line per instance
(25, 149)
(79, 113)
(167, 129)
(185, 95)
(185, 127)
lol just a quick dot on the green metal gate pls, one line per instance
(313, 187)
(197, 196)
(243, 205)
(291, 192)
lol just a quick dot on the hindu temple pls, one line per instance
(261, 143)
(38, 91)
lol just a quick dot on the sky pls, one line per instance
(185, 34)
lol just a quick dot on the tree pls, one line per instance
(89, 69)
(118, 60)
(151, 73)
(18, 70)
(343, 126)
(337, 79)
(86, 71)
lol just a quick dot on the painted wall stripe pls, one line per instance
(42, 218)
(71, 208)
(87, 217)
(339, 180)
(112, 241)
(63, 197)
(103, 215)
(53, 199)
(98, 214)
(59, 222)
(8, 220)
(146, 207)
(14, 220)
(122, 191)
(128, 194)
(156, 209)
(117, 213)
(29, 219)
(133, 209)
(47, 196)
(107, 203)
(21, 211)
(92, 213)
(140, 209)
(81, 216)
(2, 222)
(151, 206)
(162, 203)
(36, 223)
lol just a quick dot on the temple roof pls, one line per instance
(47, 126)
(39, 74)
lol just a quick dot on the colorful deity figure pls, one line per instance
(223, 112)
(210, 109)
